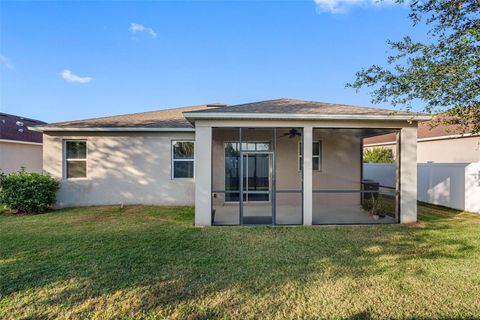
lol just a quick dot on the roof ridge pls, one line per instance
(261, 101)
(315, 102)
(345, 105)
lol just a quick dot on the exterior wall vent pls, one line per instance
(216, 105)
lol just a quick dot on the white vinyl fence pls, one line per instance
(454, 185)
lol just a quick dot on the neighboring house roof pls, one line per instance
(179, 118)
(15, 128)
(425, 132)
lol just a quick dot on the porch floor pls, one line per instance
(345, 214)
(334, 214)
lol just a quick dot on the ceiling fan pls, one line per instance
(292, 133)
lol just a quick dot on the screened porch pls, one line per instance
(257, 177)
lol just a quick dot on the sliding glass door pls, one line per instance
(257, 187)
(257, 172)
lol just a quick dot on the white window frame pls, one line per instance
(319, 156)
(65, 160)
(173, 160)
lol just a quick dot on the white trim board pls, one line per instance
(21, 142)
(453, 136)
(289, 116)
(245, 116)
(106, 129)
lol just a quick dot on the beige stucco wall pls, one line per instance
(14, 156)
(341, 168)
(455, 150)
(465, 149)
(124, 168)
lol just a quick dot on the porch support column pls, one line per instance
(203, 176)
(307, 175)
(408, 175)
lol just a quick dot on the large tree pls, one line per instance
(443, 73)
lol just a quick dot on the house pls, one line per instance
(19, 146)
(275, 162)
(441, 144)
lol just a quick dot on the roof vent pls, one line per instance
(216, 105)
(20, 123)
(20, 130)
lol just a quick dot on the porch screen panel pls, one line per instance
(257, 151)
(225, 176)
(381, 169)
(289, 176)
(341, 194)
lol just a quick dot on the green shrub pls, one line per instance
(374, 205)
(28, 192)
(378, 155)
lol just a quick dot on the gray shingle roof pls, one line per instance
(302, 107)
(174, 118)
(168, 118)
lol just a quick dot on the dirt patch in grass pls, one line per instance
(101, 213)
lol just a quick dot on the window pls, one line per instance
(233, 147)
(75, 159)
(182, 159)
(316, 156)
(255, 146)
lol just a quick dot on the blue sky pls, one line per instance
(73, 60)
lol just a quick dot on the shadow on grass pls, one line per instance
(102, 251)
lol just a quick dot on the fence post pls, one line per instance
(430, 184)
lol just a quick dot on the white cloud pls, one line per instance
(140, 28)
(342, 6)
(69, 76)
(4, 61)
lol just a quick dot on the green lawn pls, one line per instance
(148, 262)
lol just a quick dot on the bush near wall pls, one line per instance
(28, 192)
(378, 155)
